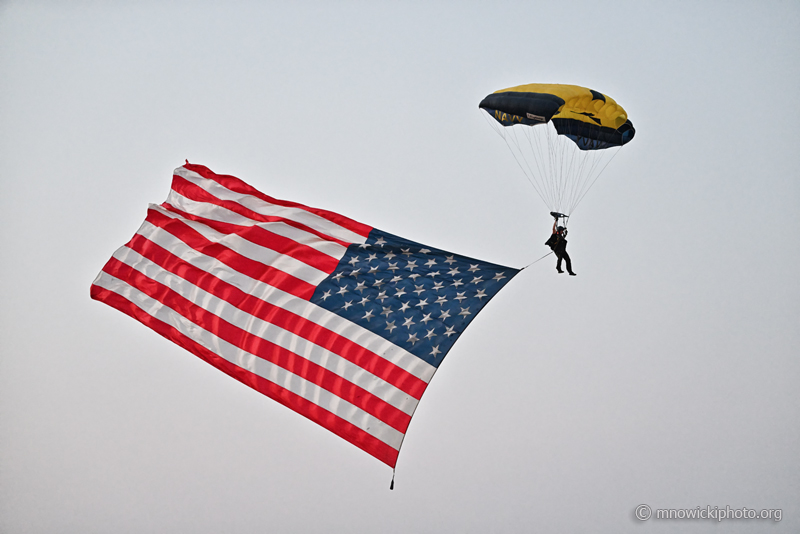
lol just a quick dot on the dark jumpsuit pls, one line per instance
(558, 243)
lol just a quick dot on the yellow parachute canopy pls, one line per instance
(559, 135)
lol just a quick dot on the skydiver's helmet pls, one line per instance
(561, 230)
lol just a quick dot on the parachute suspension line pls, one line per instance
(529, 174)
(536, 146)
(517, 154)
(501, 132)
(581, 175)
(554, 168)
(569, 158)
(614, 155)
(550, 174)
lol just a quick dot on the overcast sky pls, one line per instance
(666, 373)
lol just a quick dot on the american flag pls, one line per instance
(341, 322)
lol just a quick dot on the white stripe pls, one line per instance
(270, 332)
(310, 311)
(250, 250)
(267, 370)
(250, 202)
(218, 213)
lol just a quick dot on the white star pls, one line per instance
(381, 296)
(353, 261)
(440, 300)
(445, 314)
(413, 276)
(430, 333)
(450, 260)
(473, 268)
(393, 266)
(380, 241)
(342, 290)
(395, 279)
(422, 303)
(378, 282)
(438, 285)
(424, 250)
(354, 273)
(373, 269)
(435, 352)
(460, 296)
(418, 290)
(408, 322)
(426, 318)
(434, 274)
(430, 263)
(326, 294)
(371, 257)
(364, 301)
(347, 304)
(369, 315)
(400, 292)
(387, 310)
(454, 271)
(338, 276)
(413, 338)
(361, 286)
(480, 294)
(404, 306)
(451, 331)
(406, 251)
(390, 326)
(364, 245)
(389, 255)
(477, 279)
(411, 265)
(499, 276)
(464, 311)
(457, 283)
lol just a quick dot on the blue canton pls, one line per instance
(417, 297)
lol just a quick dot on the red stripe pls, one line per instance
(319, 415)
(194, 192)
(242, 264)
(264, 238)
(260, 347)
(237, 185)
(280, 317)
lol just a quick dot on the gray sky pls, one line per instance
(664, 374)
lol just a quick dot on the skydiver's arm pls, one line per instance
(554, 225)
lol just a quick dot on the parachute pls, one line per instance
(562, 136)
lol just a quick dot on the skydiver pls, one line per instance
(558, 243)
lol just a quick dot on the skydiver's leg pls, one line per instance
(558, 263)
(569, 263)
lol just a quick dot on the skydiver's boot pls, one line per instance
(572, 274)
